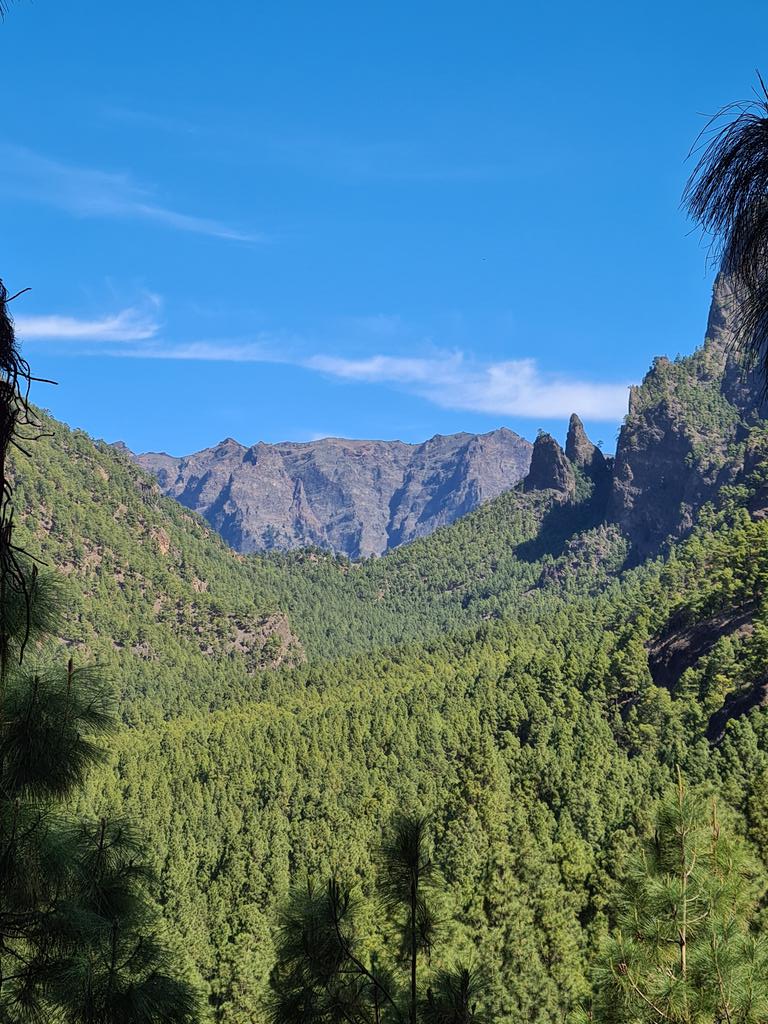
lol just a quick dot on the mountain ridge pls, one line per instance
(679, 444)
(354, 497)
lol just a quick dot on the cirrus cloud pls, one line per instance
(132, 324)
(514, 387)
(448, 379)
(451, 380)
(90, 192)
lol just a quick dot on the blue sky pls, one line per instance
(287, 220)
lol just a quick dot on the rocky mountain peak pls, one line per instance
(581, 451)
(359, 498)
(550, 468)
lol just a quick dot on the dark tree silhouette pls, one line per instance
(78, 938)
(16, 585)
(408, 872)
(324, 973)
(727, 194)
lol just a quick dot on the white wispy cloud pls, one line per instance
(87, 192)
(451, 380)
(212, 352)
(132, 324)
(515, 387)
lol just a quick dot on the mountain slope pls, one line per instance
(683, 437)
(175, 616)
(507, 673)
(182, 621)
(538, 742)
(357, 498)
(188, 623)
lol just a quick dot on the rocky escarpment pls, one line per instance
(555, 469)
(688, 432)
(682, 439)
(358, 498)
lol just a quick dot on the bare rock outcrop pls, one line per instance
(583, 453)
(550, 468)
(358, 498)
(679, 443)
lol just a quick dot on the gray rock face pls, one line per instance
(582, 453)
(358, 498)
(741, 386)
(676, 447)
(550, 468)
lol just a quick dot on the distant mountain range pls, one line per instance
(361, 498)
(357, 498)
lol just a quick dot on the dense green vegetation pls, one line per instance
(183, 622)
(280, 710)
(325, 974)
(80, 937)
(685, 948)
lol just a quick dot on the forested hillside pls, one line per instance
(152, 586)
(530, 675)
(539, 747)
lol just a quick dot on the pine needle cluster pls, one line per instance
(727, 194)
(684, 949)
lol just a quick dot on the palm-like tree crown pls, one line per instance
(727, 194)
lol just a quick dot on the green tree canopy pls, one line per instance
(326, 971)
(684, 949)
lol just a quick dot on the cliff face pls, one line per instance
(685, 436)
(359, 498)
(550, 468)
(680, 440)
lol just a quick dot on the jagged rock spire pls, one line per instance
(550, 469)
(582, 452)
(578, 447)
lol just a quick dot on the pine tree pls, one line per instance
(324, 972)
(684, 950)
(453, 998)
(726, 196)
(78, 939)
(408, 871)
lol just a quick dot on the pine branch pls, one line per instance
(350, 955)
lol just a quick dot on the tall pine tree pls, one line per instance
(325, 972)
(684, 950)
